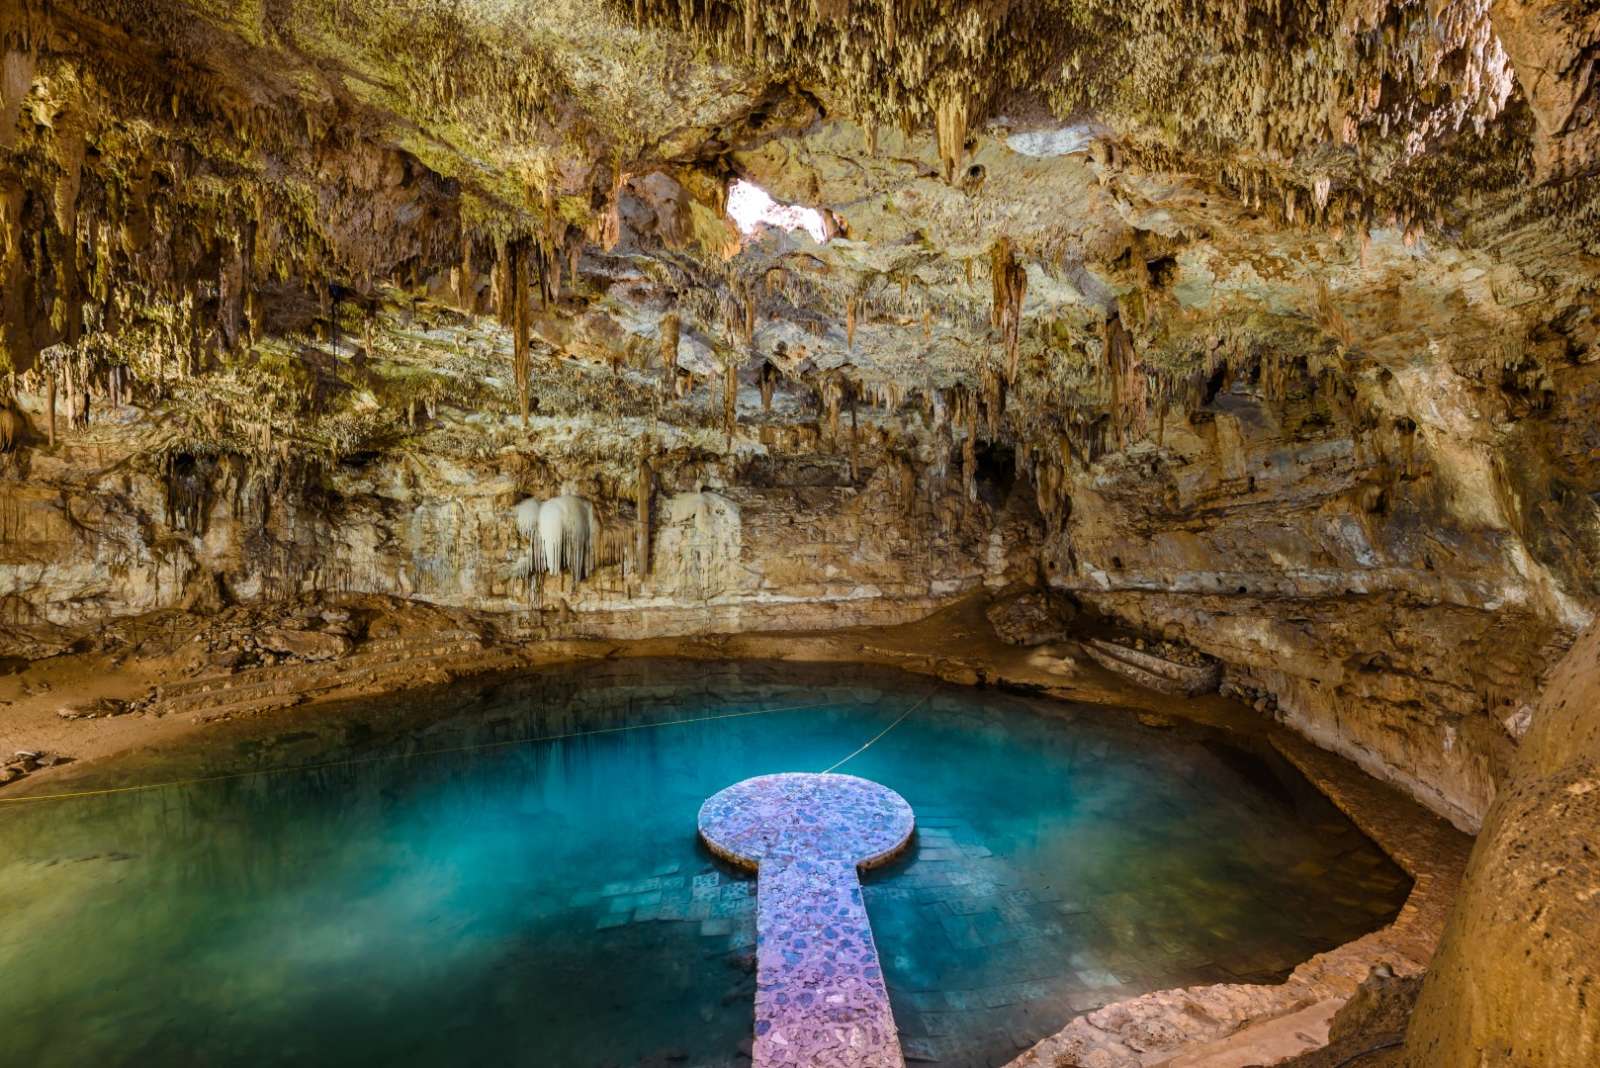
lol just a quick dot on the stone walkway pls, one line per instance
(820, 995)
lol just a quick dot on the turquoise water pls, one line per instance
(546, 902)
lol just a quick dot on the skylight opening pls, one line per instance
(751, 208)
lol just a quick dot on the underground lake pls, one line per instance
(506, 871)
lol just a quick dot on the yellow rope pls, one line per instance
(877, 737)
(377, 758)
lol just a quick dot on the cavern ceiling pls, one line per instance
(1061, 218)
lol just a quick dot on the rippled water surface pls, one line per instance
(450, 892)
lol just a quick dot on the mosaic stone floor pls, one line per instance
(820, 995)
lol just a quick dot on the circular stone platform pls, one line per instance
(820, 995)
(795, 815)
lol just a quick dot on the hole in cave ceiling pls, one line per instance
(751, 207)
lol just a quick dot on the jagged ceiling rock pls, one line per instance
(1160, 187)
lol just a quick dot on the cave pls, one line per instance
(839, 533)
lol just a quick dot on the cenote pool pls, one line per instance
(448, 891)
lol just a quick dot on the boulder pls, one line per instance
(1032, 618)
(98, 708)
(304, 644)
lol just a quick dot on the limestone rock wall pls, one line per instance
(1368, 573)
(86, 535)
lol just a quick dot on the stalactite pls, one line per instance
(889, 394)
(563, 533)
(188, 486)
(11, 427)
(1010, 286)
(1129, 403)
(730, 397)
(769, 382)
(994, 396)
(950, 127)
(833, 388)
(516, 280)
(464, 276)
(670, 328)
(969, 450)
(855, 440)
(644, 491)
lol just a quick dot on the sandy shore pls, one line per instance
(956, 644)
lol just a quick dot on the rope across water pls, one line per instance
(879, 736)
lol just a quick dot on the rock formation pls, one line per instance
(1512, 983)
(1270, 330)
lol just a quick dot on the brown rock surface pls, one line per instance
(1033, 617)
(1273, 330)
(1514, 981)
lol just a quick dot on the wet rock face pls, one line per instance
(1294, 366)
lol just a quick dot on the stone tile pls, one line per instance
(820, 994)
